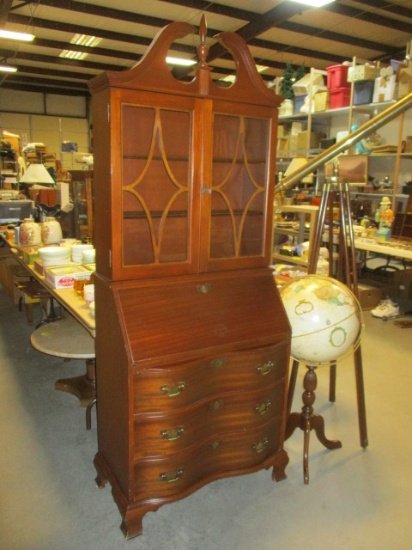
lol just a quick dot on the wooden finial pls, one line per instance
(202, 49)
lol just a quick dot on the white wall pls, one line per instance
(47, 118)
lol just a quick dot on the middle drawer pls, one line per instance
(159, 434)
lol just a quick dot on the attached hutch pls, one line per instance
(192, 341)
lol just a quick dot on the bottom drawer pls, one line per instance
(231, 454)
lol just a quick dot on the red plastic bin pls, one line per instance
(337, 77)
(339, 98)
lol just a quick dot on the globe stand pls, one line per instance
(307, 421)
(334, 192)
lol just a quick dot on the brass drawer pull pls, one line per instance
(204, 288)
(172, 435)
(215, 445)
(172, 477)
(173, 391)
(265, 368)
(260, 447)
(263, 408)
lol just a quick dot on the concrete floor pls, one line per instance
(356, 499)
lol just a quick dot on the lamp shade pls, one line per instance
(36, 173)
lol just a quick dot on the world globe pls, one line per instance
(325, 317)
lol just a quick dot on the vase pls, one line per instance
(30, 232)
(51, 232)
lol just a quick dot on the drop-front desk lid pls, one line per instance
(202, 313)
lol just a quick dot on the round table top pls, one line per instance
(64, 338)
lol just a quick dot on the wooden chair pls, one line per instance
(68, 339)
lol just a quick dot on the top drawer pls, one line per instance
(183, 384)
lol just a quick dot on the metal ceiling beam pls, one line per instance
(386, 6)
(109, 13)
(220, 9)
(56, 60)
(369, 17)
(338, 37)
(5, 7)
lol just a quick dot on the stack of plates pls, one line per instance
(77, 251)
(54, 255)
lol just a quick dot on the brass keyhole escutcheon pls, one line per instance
(204, 288)
(218, 362)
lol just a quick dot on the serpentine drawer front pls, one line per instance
(165, 433)
(180, 385)
(168, 476)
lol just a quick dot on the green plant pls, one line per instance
(289, 77)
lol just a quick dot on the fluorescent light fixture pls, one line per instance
(71, 54)
(180, 61)
(7, 69)
(232, 77)
(80, 40)
(313, 3)
(12, 35)
(229, 78)
(85, 40)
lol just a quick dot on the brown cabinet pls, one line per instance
(192, 341)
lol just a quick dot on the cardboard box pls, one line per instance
(303, 85)
(363, 72)
(302, 141)
(322, 101)
(30, 254)
(63, 276)
(384, 88)
(404, 81)
(370, 294)
(404, 88)
(295, 128)
(283, 145)
(402, 284)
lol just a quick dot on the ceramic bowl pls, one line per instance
(92, 309)
(54, 255)
(88, 256)
(88, 293)
(77, 250)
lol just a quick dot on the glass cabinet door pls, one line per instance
(156, 185)
(239, 186)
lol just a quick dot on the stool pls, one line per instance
(36, 291)
(67, 338)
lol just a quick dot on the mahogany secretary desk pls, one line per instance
(192, 341)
